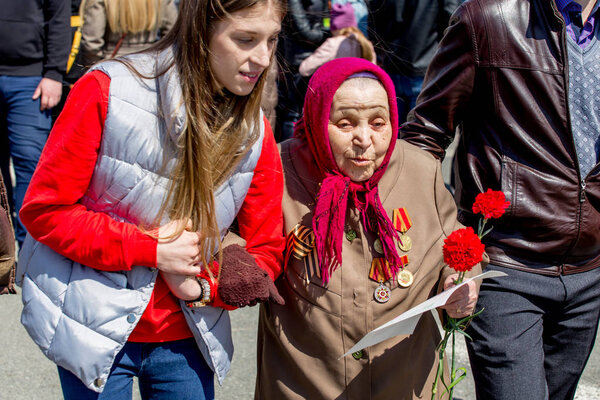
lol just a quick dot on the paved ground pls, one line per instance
(26, 374)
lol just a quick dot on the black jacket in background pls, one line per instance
(35, 37)
(406, 32)
(303, 30)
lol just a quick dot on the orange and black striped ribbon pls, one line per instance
(300, 242)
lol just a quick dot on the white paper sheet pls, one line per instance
(405, 323)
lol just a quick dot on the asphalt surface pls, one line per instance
(26, 374)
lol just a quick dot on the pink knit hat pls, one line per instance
(342, 16)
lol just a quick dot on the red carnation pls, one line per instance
(491, 204)
(463, 250)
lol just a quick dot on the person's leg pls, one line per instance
(28, 130)
(570, 332)
(119, 385)
(4, 152)
(506, 354)
(175, 370)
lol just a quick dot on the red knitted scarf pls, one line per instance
(332, 200)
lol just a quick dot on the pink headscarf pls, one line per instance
(331, 203)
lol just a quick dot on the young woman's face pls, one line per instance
(359, 128)
(241, 47)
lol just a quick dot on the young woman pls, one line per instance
(118, 27)
(152, 159)
(354, 198)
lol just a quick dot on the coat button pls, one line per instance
(357, 355)
(131, 318)
(350, 235)
(98, 382)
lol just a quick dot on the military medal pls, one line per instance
(382, 293)
(405, 243)
(405, 278)
(378, 246)
(402, 223)
(381, 272)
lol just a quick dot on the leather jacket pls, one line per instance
(501, 76)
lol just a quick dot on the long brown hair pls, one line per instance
(366, 47)
(220, 127)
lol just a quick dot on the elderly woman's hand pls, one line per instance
(462, 302)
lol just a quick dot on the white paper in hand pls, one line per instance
(405, 323)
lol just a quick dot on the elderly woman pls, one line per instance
(367, 216)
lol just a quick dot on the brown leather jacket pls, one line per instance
(501, 75)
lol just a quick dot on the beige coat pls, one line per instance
(98, 41)
(299, 343)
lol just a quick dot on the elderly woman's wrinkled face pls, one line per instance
(359, 127)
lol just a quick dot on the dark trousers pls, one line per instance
(535, 335)
(25, 129)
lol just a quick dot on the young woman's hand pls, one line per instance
(463, 301)
(179, 255)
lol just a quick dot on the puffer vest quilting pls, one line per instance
(81, 317)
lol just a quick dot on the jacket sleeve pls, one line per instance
(93, 32)
(52, 212)
(260, 219)
(302, 26)
(57, 31)
(447, 89)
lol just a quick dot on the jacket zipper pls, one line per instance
(582, 191)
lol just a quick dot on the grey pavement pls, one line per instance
(26, 374)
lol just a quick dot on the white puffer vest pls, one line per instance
(81, 317)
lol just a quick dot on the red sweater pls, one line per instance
(53, 215)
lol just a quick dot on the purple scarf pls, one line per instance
(330, 210)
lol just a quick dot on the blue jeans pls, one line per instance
(407, 91)
(165, 371)
(26, 130)
(535, 335)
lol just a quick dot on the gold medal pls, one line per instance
(405, 243)
(405, 278)
(382, 293)
(378, 246)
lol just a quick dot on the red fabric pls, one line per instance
(330, 209)
(52, 214)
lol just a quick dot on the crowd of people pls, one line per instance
(217, 154)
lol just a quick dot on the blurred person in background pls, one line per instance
(346, 41)
(304, 29)
(117, 27)
(406, 34)
(35, 39)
